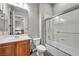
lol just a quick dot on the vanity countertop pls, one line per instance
(13, 38)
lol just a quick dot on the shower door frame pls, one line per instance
(50, 18)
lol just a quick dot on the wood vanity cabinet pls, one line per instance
(7, 49)
(23, 48)
(20, 48)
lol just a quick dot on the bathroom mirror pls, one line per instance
(19, 24)
(4, 24)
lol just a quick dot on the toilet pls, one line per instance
(40, 48)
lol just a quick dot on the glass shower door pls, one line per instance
(63, 32)
(49, 31)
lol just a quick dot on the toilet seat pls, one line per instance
(41, 48)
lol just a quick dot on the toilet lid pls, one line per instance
(41, 48)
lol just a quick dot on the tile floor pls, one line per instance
(45, 54)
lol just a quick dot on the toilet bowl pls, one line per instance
(40, 48)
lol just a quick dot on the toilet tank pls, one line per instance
(36, 41)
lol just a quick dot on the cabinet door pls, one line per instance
(7, 49)
(23, 48)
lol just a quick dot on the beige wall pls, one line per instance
(33, 22)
